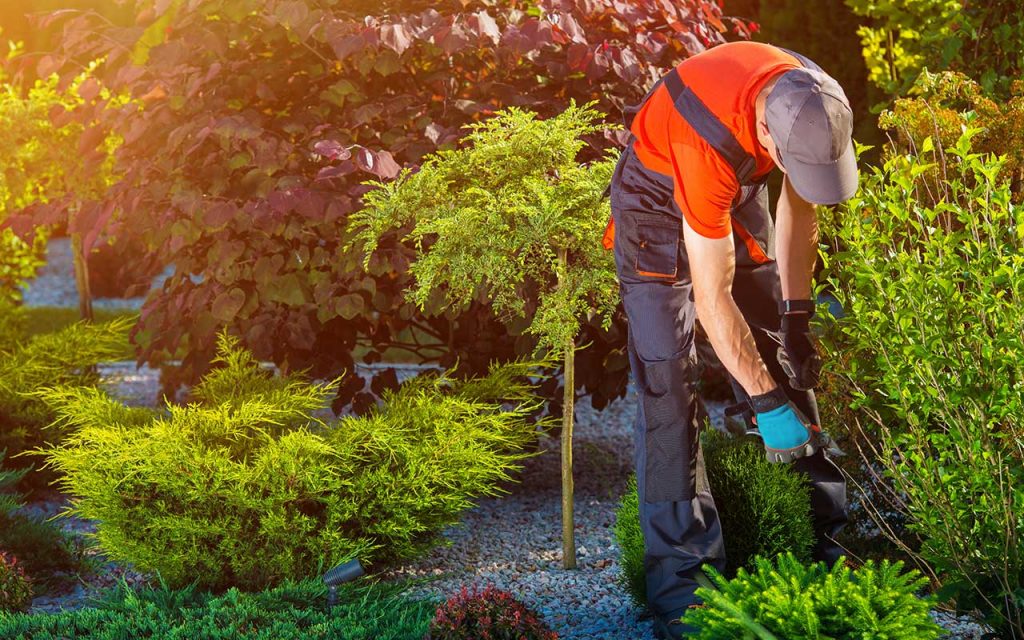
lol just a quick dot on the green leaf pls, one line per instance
(227, 305)
(349, 306)
(155, 34)
(286, 289)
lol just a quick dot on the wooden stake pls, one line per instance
(568, 405)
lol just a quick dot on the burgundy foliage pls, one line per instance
(491, 614)
(253, 124)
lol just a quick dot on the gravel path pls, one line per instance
(54, 285)
(513, 542)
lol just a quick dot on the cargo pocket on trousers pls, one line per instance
(657, 253)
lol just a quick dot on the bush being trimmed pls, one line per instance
(788, 600)
(293, 611)
(244, 487)
(764, 509)
(491, 614)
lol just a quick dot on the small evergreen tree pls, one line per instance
(515, 220)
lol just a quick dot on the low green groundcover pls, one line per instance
(291, 611)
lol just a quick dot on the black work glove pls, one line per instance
(797, 355)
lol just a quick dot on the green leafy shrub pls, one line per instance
(491, 614)
(941, 107)
(244, 487)
(62, 358)
(764, 509)
(293, 611)
(48, 161)
(929, 357)
(19, 261)
(15, 586)
(788, 600)
(984, 40)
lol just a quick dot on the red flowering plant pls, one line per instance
(491, 614)
(15, 586)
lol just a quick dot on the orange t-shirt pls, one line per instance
(726, 78)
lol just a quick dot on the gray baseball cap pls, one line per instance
(811, 123)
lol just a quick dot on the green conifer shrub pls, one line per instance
(245, 487)
(62, 358)
(787, 600)
(630, 538)
(292, 611)
(764, 508)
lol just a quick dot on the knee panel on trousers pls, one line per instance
(667, 395)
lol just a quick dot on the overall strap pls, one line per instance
(705, 123)
(629, 111)
(708, 126)
(804, 60)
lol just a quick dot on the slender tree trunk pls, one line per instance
(81, 278)
(568, 407)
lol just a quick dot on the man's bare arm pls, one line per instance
(721, 318)
(796, 238)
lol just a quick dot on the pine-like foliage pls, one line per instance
(764, 509)
(245, 488)
(292, 611)
(788, 600)
(63, 358)
(490, 219)
(630, 538)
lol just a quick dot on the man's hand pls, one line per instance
(797, 355)
(787, 433)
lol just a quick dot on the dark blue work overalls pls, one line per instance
(677, 512)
